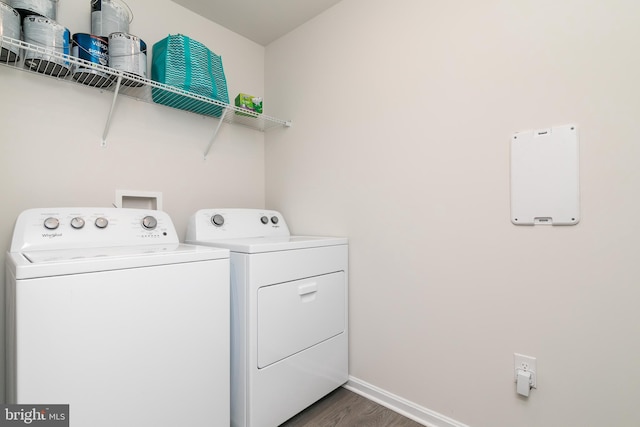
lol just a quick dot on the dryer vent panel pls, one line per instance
(545, 177)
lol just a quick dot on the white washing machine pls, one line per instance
(109, 313)
(289, 331)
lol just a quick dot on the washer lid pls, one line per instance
(253, 245)
(31, 264)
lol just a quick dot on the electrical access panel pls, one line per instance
(545, 177)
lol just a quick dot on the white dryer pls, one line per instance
(109, 313)
(289, 330)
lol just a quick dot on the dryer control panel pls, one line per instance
(214, 224)
(65, 228)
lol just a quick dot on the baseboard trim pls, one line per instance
(402, 406)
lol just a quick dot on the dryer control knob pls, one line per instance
(149, 222)
(77, 222)
(102, 222)
(274, 219)
(51, 223)
(217, 220)
(264, 220)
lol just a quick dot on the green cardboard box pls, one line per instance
(248, 102)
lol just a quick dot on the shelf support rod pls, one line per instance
(113, 104)
(215, 133)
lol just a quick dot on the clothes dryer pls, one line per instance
(109, 313)
(289, 323)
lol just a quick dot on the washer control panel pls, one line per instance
(212, 224)
(60, 228)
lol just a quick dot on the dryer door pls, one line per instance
(297, 315)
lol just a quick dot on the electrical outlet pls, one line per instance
(525, 363)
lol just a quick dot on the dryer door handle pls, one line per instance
(308, 288)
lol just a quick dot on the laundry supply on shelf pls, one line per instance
(250, 103)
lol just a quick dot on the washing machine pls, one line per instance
(289, 315)
(109, 313)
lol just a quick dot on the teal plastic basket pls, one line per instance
(187, 64)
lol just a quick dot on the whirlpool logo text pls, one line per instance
(51, 235)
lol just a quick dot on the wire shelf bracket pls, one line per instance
(107, 125)
(215, 133)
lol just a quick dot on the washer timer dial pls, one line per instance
(217, 220)
(77, 222)
(149, 222)
(51, 223)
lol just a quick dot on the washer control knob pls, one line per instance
(149, 222)
(77, 223)
(102, 222)
(274, 219)
(264, 220)
(217, 220)
(51, 223)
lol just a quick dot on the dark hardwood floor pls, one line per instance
(343, 408)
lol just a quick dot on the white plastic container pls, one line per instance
(9, 27)
(46, 8)
(47, 33)
(109, 16)
(128, 53)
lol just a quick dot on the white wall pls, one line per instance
(50, 132)
(403, 113)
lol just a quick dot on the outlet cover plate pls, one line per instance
(525, 363)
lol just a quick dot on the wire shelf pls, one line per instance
(37, 59)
